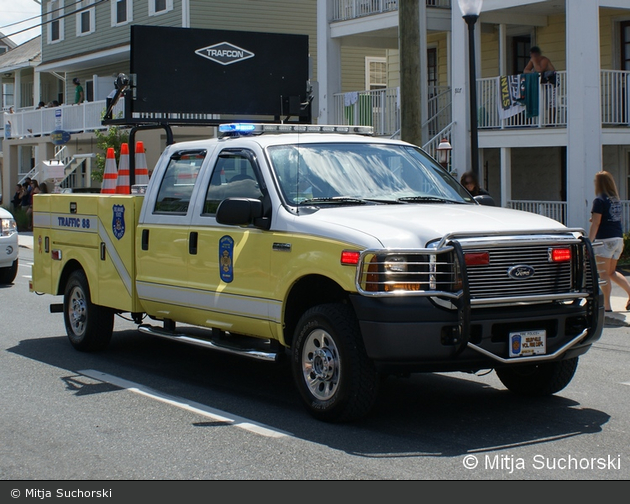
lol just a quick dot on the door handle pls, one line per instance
(145, 239)
(192, 242)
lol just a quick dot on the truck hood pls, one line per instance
(414, 225)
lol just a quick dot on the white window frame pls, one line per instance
(153, 12)
(368, 84)
(115, 13)
(91, 11)
(60, 19)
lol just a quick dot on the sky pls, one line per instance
(12, 11)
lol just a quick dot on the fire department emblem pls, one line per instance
(226, 259)
(118, 222)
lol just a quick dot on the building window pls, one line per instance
(122, 12)
(7, 95)
(520, 53)
(85, 17)
(157, 7)
(3, 49)
(625, 45)
(55, 21)
(375, 73)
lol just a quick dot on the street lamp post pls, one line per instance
(471, 10)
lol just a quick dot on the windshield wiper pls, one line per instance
(426, 199)
(342, 200)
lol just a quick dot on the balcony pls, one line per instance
(32, 122)
(344, 10)
(552, 103)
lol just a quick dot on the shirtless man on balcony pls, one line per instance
(538, 62)
(542, 65)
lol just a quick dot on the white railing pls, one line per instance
(439, 109)
(378, 108)
(352, 9)
(556, 210)
(615, 92)
(431, 146)
(74, 118)
(551, 103)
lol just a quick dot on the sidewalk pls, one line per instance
(619, 318)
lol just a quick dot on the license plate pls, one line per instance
(526, 343)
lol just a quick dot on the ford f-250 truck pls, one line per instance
(356, 256)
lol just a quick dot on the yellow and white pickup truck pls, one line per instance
(355, 256)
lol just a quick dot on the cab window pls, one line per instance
(233, 176)
(178, 182)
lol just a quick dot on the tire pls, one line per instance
(8, 274)
(89, 326)
(335, 377)
(536, 380)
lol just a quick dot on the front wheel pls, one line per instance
(542, 379)
(335, 377)
(89, 326)
(8, 274)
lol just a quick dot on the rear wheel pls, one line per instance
(335, 377)
(8, 274)
(542, 379)
(89, 326)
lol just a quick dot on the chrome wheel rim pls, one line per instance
(77, 311)
(320, 364)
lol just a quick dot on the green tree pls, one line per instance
(114, 136)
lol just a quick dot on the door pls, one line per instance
(162, 240)
(520, 53)
(229, 269)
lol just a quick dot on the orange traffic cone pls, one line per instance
(122, 182)
(111, 173)
(142, 171)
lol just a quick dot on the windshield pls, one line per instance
(361, 172)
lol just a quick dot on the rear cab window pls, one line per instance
(177, 185)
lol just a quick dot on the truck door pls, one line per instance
(162, 240)
(230, 268)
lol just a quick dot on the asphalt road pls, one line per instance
(153, 409)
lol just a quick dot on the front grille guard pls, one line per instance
(461, 299)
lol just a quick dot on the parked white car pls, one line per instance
(8, 247)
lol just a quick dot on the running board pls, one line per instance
(252, 353)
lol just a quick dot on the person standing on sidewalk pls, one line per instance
(606, 228)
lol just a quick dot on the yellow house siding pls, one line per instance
(552, 40)
(489, 54)
(438, 40)
(353, 66)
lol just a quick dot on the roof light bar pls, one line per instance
(240, 129)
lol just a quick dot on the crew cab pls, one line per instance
(8, 247)
(355, 257)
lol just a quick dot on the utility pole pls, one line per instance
(410, 74)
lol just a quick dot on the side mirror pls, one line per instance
(239, 211)
(485, 200)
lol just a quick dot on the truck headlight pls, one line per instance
(396, 264)
(7, 227)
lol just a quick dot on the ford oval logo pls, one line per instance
(521, 272)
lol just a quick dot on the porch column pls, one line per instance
(17, 89)
(503, 49)
(459, 74)
(328, 64)
(506, 176)
(37, 88)
(584, 152)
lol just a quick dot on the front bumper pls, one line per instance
(415, 334)
(8, 250)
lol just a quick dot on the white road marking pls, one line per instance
(195, 407)
(29, 277)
